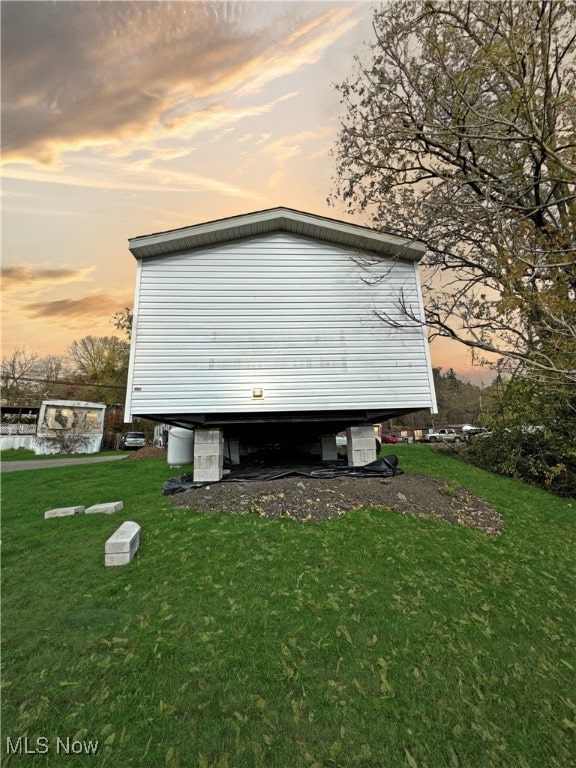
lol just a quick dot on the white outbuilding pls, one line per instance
(69, 426)
(267, 327)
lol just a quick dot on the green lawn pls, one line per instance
(373, 639)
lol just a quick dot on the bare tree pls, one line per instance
(27, 377)
(461, 132)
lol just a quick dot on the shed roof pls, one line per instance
(276, 220)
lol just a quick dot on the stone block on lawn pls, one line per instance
(63, 512)
(121, 547)
(107, 508)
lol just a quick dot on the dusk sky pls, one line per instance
(124, 118)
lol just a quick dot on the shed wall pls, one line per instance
(292, 316)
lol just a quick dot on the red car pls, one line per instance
(389, 439)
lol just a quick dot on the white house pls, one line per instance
(264, 327)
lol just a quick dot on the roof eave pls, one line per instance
(362, 239)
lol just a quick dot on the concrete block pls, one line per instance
(208, 455)
(107, 508)
(211, 436)
(125, 539)
(329, 451)
(120, 558)
(366, 431)
(208, 449)
(63, 512)
(211, 461)
(314, 448)
(208, 469)
(233, 449)
(121, 547)
(361, 445)
(361, 458)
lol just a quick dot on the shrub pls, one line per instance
(540, 457)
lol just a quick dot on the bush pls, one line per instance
(541, 457)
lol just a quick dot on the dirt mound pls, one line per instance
(148, 453)
(309, 499)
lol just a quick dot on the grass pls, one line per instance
(374, 640)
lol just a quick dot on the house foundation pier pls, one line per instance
(232, 446)
(208, 455)
(361, 445)
(329, 451)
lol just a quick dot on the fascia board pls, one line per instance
(276, 220)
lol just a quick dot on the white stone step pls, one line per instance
(107, 508)
(63, 512)
(121, 547)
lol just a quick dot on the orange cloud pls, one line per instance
(217, 116)
(134, 178)
(95, 306)
(73, 72)
(23, 275)
(304, 46)
(284, 149)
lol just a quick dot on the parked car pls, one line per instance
(132, 441)
(389, 439)
(474, 432)
(447, 435)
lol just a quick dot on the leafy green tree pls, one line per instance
(461, 132)
(102, 362)
(123, 321)
(534, 436)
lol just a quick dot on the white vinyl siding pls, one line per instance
(290, 315)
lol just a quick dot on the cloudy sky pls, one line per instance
(125, 118)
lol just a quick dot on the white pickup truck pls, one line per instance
(443, 436)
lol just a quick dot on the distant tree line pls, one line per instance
(95, 369)
(459, 402)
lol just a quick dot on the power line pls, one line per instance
(68, 383)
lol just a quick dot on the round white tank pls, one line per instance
(180, 446)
